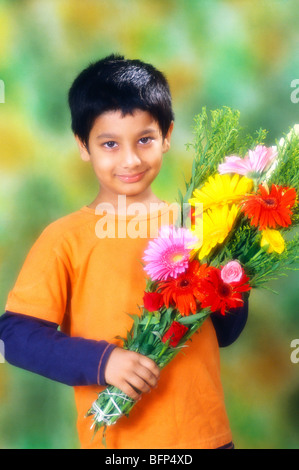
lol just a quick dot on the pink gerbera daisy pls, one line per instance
(168, 255)
(257, 161)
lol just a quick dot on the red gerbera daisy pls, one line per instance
(270, 209)
(183, 291)
(220, 296)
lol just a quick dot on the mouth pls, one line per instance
(131, 178)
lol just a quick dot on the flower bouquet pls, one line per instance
(232, 235)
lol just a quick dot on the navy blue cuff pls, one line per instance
(229, 327)
(36, 345)
(102, 364)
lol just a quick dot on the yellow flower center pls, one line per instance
(177, 258)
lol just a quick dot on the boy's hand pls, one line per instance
(131, 372)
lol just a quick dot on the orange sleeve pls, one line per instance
(41, 288)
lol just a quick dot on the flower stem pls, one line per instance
(149, 320)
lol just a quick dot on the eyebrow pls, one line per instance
(149, 130)
(106, 136)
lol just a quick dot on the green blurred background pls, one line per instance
(243, 54)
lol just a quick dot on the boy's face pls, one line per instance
(126, 154)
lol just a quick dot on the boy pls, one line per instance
(83, 278)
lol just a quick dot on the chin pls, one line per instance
(135, 189)
(133, 193)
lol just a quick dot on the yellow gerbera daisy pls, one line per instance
(221, 189)
(213, 227)
(274, 239)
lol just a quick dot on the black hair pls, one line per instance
(118, 84)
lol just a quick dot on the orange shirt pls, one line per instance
(88, 285)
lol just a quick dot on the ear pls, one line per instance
(84, 153)
(167, 138)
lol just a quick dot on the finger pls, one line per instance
(147, 376)
(131, 391)
(150, 365)
(139, 384)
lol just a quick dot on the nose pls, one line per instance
(130, 158)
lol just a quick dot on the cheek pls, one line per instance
(154, 158)
(103, 166)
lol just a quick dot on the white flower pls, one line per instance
(294, 130)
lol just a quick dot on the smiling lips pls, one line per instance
(131, 178)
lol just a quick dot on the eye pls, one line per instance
(111, 144)
(145, 140)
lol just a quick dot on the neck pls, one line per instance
(122, 204)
